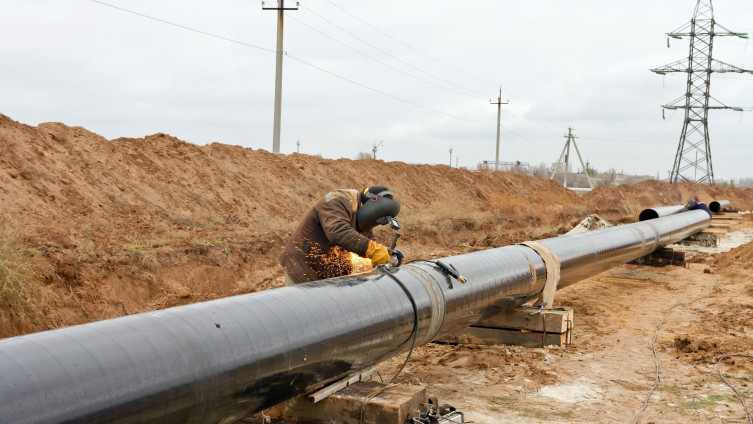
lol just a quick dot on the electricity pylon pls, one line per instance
(566, 153)
(693, 158)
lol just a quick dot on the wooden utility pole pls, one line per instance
(499, 116)
(278, 72)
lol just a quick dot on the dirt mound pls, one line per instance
(590, 223)
(728, 262)
(129, 225)
(624, 203)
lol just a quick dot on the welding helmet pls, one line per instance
(376, 205)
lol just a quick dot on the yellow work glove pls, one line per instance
(377, 253)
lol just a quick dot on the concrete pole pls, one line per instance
(499, 117)
(278, 80)
(567, 156)
(584, 165)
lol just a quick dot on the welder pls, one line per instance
(695, 203)
(337, 224)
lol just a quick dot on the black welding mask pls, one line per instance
(376, 205)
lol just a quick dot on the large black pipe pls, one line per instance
(718, 206)
(217, 361)
(660, 211)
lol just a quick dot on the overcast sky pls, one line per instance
(417, 74)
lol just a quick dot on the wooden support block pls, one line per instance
(498, 336)
(326, 391)
(393, 405)
(716, 230)
(725, 226)
(523, 318)
(726, 217)
(519, 326)
(661, 258)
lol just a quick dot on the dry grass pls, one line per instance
(21, 275)
(145, 251)
(629, 206)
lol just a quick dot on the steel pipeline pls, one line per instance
(217, 361)
(660, 211)
(719, 206)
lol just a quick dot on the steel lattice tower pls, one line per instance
(693, 158)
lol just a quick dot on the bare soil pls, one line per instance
(116, 227)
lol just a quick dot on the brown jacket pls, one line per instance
(319, 248)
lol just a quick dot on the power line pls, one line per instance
(387, 94)
(393, 56)
(185, 27)
(526, 120)
(529, 121)
(412, 48)
(299, 60)
(529, 140)
(655, 142)
(615, 140)
(379, 61)
(557, 125)
(658, 157)
(532, 122)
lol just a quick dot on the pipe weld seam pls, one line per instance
(437, 301)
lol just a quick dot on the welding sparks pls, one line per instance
(360, 264)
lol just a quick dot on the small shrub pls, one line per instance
(629, 206)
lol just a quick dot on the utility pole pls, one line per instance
(298, 146)
(278, 71)
(570, 139)
(499, 116)
(376, 146)
(699, 66)
(450, 157)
